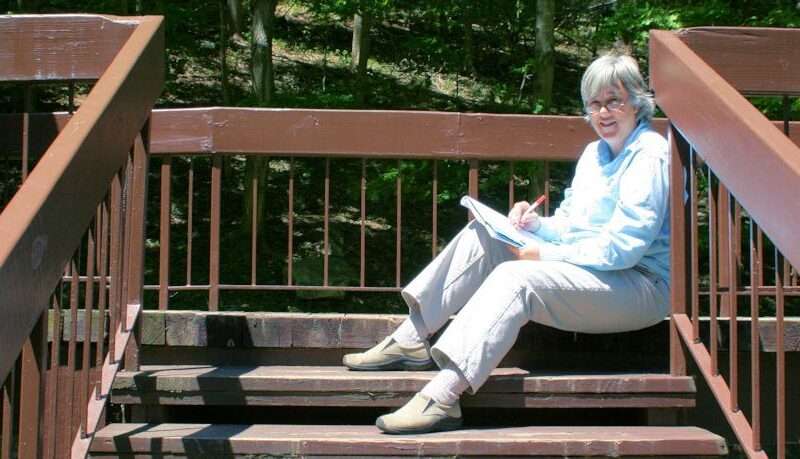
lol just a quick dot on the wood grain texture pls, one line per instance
(192, 132)
(335, 331)
(337, 386)
(753, 60)
(224, 440)
(60, 47)
(44, 222)
(364, 133)
(755, 161)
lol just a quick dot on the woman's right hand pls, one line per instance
(521, 219)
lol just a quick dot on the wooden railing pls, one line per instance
(732, 170)
(352, 147)
(87, 189)
(195, 150)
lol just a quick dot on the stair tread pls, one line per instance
(337, 386)
(330, 378)
(353, 440)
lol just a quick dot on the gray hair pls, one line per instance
(610, 69)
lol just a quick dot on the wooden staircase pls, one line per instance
(269, 384)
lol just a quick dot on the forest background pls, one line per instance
(502, 56)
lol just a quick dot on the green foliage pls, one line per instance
(425, 55)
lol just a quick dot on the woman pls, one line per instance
(603, 265)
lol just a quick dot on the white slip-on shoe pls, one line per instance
(421, 415)
(389, 355)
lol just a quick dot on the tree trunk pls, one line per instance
(545, 56)
(469, 45)
(262, 29)
(236, 16)
(139, 7)
(223, 54)
(360, 53)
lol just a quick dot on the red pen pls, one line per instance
(533, 206)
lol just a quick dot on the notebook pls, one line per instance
(497, 224)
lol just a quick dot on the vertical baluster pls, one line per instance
(790, 275)
(216, 190)
(679, 221)
(474, 164)
(694, 246)
(68, 417)
(8, 414)
(546, 188)
(114, 264)
(26, 121)
(733, 347)
(32, 389)
(714, 271)
(435, 210)
(780, 358)
(88, 307)
(755, 354)
(54, 377)
(71, 97)
(510, 185)
(326, 221)
(102, 288)
(137, 198)
(398, 237)
(362, 239)
(164, 233)
(473, 181)
(761, 255)
(290, 212)
(189, 222)
(99, 232)
(254, 229)
(723, 207)
(127, 228)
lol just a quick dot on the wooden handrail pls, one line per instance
(84, 49)
(742, 54)
(193, 130)
(756, 161)
(44, 222)
(760, 167)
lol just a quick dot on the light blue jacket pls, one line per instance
(615, 214)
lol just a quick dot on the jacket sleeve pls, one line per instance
(634, 224)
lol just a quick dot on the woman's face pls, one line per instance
(612, 116)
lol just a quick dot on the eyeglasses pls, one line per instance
(613, 105)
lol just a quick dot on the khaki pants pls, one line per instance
(493, 296)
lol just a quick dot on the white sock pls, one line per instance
(407, 335)
(447, 386)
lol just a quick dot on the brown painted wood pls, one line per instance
(381, 134)
(187, 131)
(328, 331)
(39, 235)
(325, 379)
(62, 47)
(336, 386)
(34, 365)
(756, 162)
(753, 60)
(367, 440)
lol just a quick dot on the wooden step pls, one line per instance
(337, 386)
(225, 441)
(267, 338)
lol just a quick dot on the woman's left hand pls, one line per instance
(529, 252)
